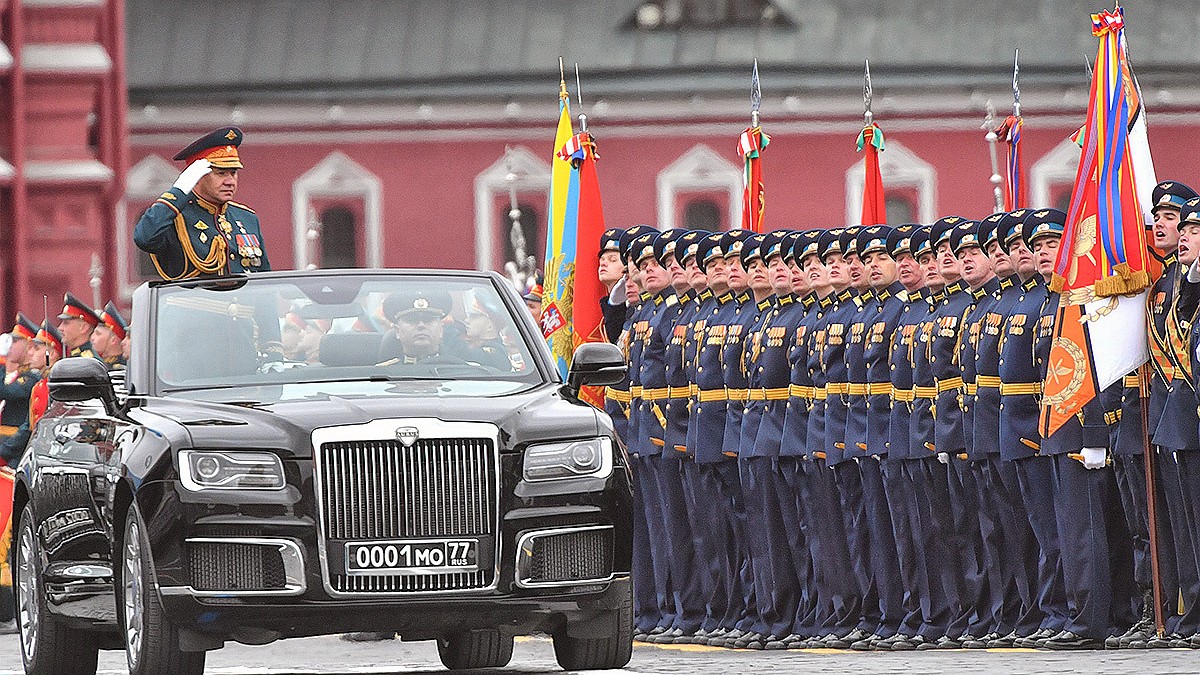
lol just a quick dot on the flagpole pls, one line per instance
(995, 179)
(1151, 505)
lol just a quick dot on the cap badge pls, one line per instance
(231, 134)
(420, 303)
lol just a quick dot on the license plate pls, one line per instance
(408, 556)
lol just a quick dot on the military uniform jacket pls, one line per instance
(1088, 428)
(890, 305)
(913, 308)
(187, 236)
(985, 404)
(801, 394)
(1159, 300)
(943, 353)
(706, 425)
(922, 438)
(15, 395)
(837, 378)
(614, 319)
(640, 360)
(814, 352)
(755, 405)
(856, 374)
(968, 345)
(733, 363)
(774, 374)
(1020, 374)
(617, 397)
(679, 375)
(86, 350)
(1179, 426)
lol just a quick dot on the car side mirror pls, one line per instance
(81, 378)
(596, 364)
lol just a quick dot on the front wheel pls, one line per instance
(612, 648)
(474, 649)
(151, 641)
(48, 646)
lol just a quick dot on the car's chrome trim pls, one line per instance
(383, 429)
(525, 555)
(293, 568)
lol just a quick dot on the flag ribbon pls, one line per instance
(750, 146)
(1009, 132)
(874, 207)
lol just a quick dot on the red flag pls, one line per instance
(1103, 265)
(587, 319)
(874, 209)
(754, 199)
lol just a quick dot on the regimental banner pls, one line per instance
(874, 207)
(754, 197)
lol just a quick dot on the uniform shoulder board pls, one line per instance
(241, 206)
(167, 195)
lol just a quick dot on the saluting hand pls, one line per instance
(192, 175)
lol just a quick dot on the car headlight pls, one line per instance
(230, 470)
(590, 458)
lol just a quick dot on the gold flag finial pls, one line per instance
(562, 80)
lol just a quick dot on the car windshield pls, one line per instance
(358, 327)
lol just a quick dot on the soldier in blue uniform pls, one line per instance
(1097, 574)
(76, 323)
(979, 454)
(616, 397)
(611, 270)
(881, 310)
(195, 228)
(1020, 440)
(1015, 561)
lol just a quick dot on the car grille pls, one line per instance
(379, 490)
(235, 567)
(571, 556)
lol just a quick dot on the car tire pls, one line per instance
(151, 641)
(599, 653)
(473, 649)
(48, 645)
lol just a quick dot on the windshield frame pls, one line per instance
(143, 366)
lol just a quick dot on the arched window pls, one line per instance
(532, 229)
(699, 175)
(339, 238)
(702, 214)
(899, 209)
(906, 176)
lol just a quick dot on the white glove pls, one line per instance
(944, 457)
(617, 295)
(1094, 458)
(1193, 274)
(192, 175)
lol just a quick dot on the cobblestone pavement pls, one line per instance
(330, 656)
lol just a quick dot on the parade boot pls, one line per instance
(1004, 641)
(1068, 640)
(980, 642)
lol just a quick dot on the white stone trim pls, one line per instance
(65, 58)
(338, 176)
(38, 4)
(74, 171)
(6, 170)
(530, 172)
(1056, 167)
(700, 168)
(6, 59)
(901, 168)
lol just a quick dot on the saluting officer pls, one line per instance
(617, 396)
(195, 228)
(611, 270)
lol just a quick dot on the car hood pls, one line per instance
(254, 418)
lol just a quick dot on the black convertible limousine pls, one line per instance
(305, 453)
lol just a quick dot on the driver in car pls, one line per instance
(419, 326)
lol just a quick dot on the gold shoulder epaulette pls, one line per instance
(241, 206)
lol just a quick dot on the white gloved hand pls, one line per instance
(1193, 274)
(617, 295)
(1094, 458)
(192, 175)
(944, 457)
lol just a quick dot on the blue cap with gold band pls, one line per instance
(611, 240)
(1171, 194)
(1008, 229)
(772, 244)
(664, 246)
(964, 236)
(642, 247)
(987, 229)
(849, 240)
(687, 246)
(806, 244)
(939, 232)
(628, 237)
(732, 242)
(709, 249)
(789, 245)
(898, 239)
(1042, 223)
(1190, 213)
(918, 243)
(752, 249)
(872, 239)
(830, 243)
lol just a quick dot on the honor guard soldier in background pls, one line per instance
(45, 350)
(76, 323)
(616, 397)
(194, 228)
(109, 336)
(612, 275)
(19, 378)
